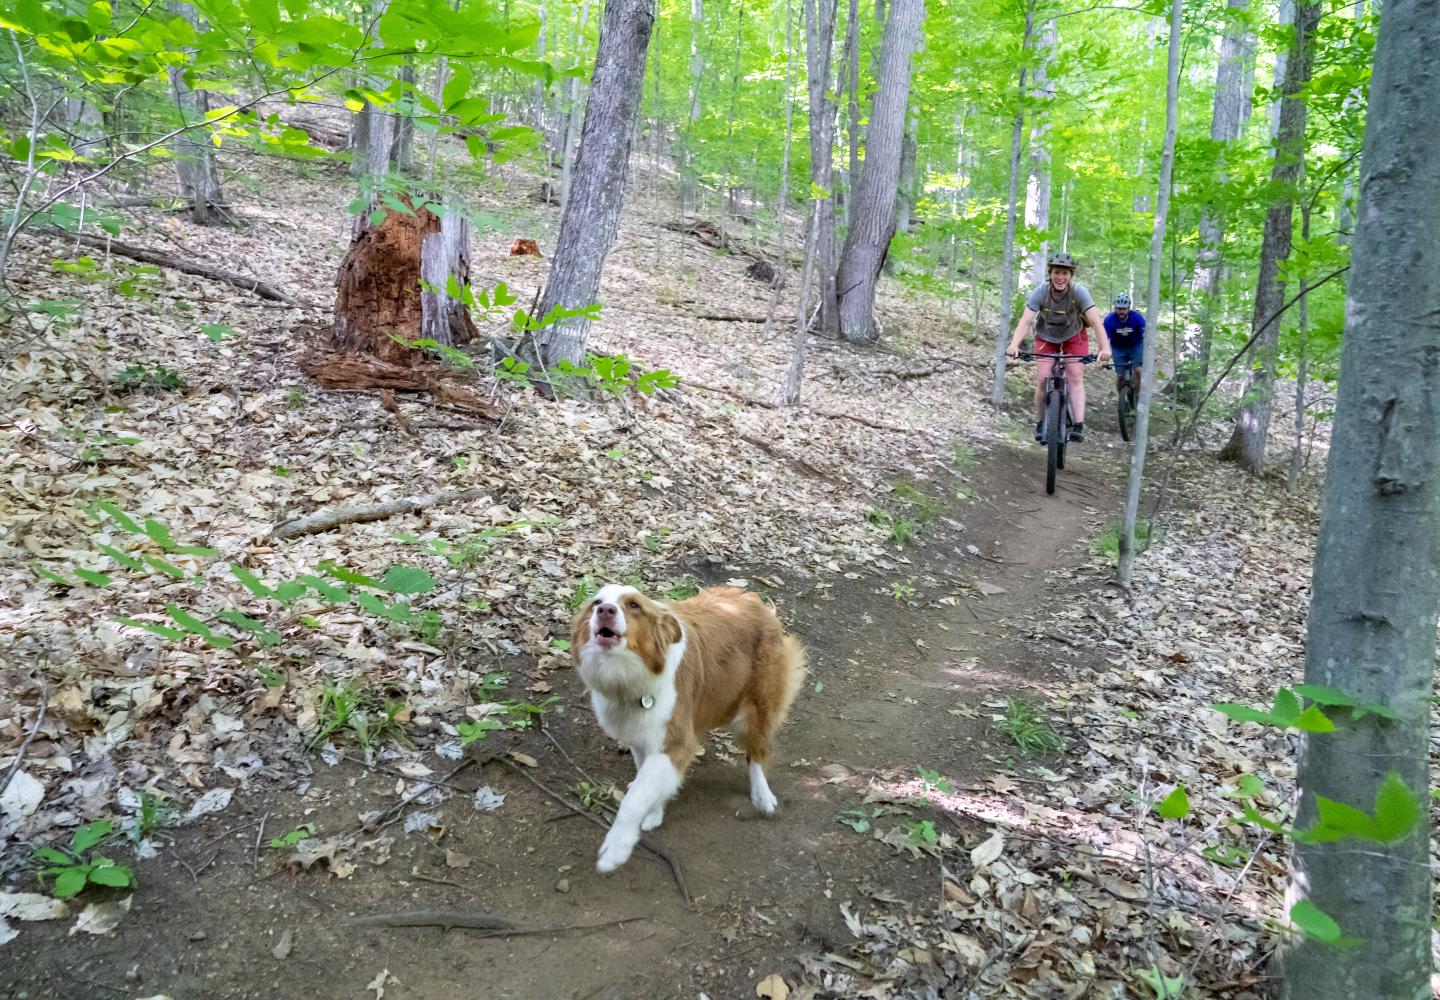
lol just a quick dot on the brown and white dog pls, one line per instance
(661, 676)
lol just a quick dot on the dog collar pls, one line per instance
(647, 701)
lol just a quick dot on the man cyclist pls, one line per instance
(1062, 312)
(1125, 328)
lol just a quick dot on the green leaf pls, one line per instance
(1314, 922)
(169, 569)
(1176, 805)
(162, 631)
(91, 577)
(53, 856)
(251, 582)
(159, 534)
(347, 575)
(189, 622)
(263, 634)
(1312, 720)
(456, 87)
(124, 520)
(46, 574)
(124, 559)
(1165, 987)
(70, 882)
(407, 580)
(1398, 810)
(290, 590)
(327, 590)
(107, 872)
(1323, 695)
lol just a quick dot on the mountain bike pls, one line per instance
(1056, 423)
(1127, 394)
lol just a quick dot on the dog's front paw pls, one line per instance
(653, 821)
(764, 800)
(614, 852)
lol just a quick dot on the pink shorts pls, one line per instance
(1078, 344)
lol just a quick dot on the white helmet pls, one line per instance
(1122, 301)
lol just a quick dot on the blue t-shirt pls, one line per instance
(1127, 334)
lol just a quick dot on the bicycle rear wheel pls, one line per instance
(1126, 405)
(1054, 438)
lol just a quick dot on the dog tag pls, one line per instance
(647, 701)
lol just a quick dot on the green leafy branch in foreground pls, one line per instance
(73, 868)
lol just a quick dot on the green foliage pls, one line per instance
(74, 868)
(138, 378)
(1314, 923)
(1024, 721)
(1176, 805)
(1397, 811)
(686, 588)
(933, 781)
(922, 834)
(618, 374)
(585, 589)
(597, 797)
(1107, 546)
(288, 840)
(1164, 987)
(154, 812)
(1286, 713)
(345, 708)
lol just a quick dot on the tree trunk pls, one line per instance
(194, 154)
(1152, 301)
(1228, 114)
(905, 191)
(697, 72)
(872, 215)
(782, 264)
(1037, 191)
(1252, 423)
(1376, 590)
(572, 113)
(1302, 374)
(819, 40)
(851, 73)
(795, 371)
(592, 216)
(402, 154)
(1007, 264)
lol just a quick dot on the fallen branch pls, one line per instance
(144, 255)
(448, 919)
(804, 466)
(330, 370)
(645, 842)
(39, 721)
(327, 519)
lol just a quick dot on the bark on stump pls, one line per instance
(378, 293)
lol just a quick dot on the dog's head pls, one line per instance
(621, 619)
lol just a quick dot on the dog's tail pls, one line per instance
(792, 664)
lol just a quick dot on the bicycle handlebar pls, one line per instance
(1084, 359)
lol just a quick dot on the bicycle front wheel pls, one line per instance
(1055, 432)
(1127, 411)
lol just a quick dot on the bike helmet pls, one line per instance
(1122, 301)
(1063, 259)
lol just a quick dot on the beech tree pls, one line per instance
(591, 216)
(1376, 585)
(1252, 421)
(872, 211)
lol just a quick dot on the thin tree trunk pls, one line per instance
(1152, 302)
(402, 153)
(819, 40)
(782, 264)
(872, 216)
(1302, 374)
(905, 190)
(592, 216)
(697, 71)
(1376, 589)
(442, 74)
(1037, 192)
(851, 63)
(194, 155)
(1007, 264)
(572, 112)
(1228, 113)
(1252, 422)
(795, 371)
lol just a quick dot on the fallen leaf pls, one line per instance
(523, 758)
(988, 851)
(772, 986)
(101, 918)
(454, 859)
(31, 906)
(285, 945)
(487, 799)
(378, 983)
(211, 802)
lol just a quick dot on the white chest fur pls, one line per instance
(632, 704)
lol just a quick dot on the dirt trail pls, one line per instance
(884, 677)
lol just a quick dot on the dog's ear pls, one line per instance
(580, 631)
(671, 632)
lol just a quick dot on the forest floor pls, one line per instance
(967, 781)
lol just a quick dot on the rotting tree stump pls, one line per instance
(379, 298)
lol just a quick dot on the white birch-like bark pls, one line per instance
(1152, 301)
(782, 264)
(1037, 189)
(1007, 264)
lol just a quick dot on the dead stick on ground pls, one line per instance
(327, 519)
(260, 288)
(39, 721)
(768, 405)
(654, 849)
(259, 835)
